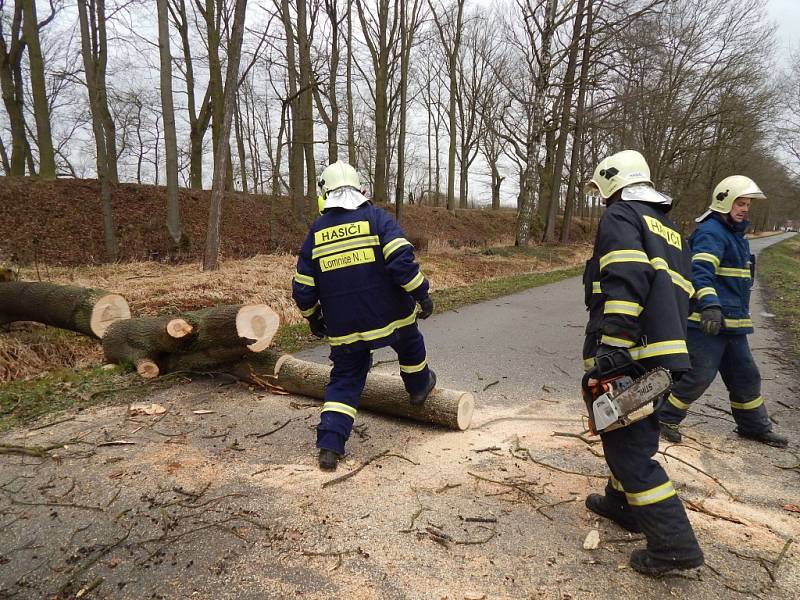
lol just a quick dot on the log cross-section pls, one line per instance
(84, 310)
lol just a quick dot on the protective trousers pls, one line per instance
(348, 376)
(640, 487)
(730, 356)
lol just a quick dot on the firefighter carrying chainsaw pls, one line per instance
(358, 285)
(637, 291)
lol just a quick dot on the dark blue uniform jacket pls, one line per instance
(722, 272)
(637, 287)
(358, 267)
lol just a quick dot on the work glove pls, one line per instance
(316, 323)
(612, 360)
(426, 307)
(711, 320)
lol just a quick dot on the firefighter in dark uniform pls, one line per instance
(358, 284)
(637, 292)
(722, 274)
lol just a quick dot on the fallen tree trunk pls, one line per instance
(84, 310)
(382, 393)
(191, 341)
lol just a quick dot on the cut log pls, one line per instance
(382, 393)
(85, 310)
(193, 341)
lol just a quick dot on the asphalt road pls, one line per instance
(524, 342)
(220, 496)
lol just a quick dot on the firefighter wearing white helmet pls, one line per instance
(637, 291)
(722, 274)
(358, 284)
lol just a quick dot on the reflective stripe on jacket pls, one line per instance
(359, 267)
(722, 273)
(637, 287)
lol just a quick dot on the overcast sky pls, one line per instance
(786, 13)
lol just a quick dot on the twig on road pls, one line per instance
(355, 471)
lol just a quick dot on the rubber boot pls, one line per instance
(619, 513)
(671, 543)
(645, 563)
(670, 432)
(328, 459)
(418, 399)
(770, 438)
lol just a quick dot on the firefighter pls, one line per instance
(637, 292)
(358, 284)
(722, 274)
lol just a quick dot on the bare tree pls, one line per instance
(11, 53)
(449, 26)
(218, 186)
(41, 109)
(92, 19)
(170, 135)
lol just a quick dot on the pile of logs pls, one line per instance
(233, 338)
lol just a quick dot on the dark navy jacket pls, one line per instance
(637, 287)
(722, 273)
(359, 268)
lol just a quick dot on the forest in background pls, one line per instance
(454, 104)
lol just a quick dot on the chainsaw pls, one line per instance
(616, 400)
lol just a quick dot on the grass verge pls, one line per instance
(779, 272)
(22, 402)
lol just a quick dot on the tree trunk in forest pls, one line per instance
(295, 150)
(561, 144)
(577, 136)
(170, 137)
(533, 145)
(212, 336)
(87, 311)
(221, 155)
(306, 101)
(93, 50)
(13, 96)
(41, 108)
(382, 393)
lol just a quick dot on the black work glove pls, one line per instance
(317, 325)
(612, 360)
(426, 307)
(711, 320)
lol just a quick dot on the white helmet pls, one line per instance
(728, 190)
(618, 171)
(338, 175)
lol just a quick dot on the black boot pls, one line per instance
(328, 459)
(647, 564)
(601, 505)
(770, 438)
(418, 399)
(670, 432)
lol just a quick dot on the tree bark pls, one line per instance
(170, 136)
(41, 109)
(13, 97)
(561, 144)
(577, 136)
(382, 393)
(93, 50)
(219, 335)
(221, 156)
(85, 310)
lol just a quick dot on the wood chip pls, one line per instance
(146, 409)
(203, 412)
(592, 540)
(791, 508)
(117, 443)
